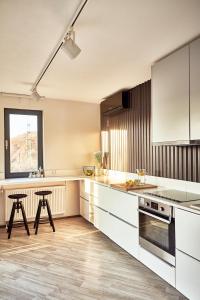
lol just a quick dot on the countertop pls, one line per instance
(184, 205)
(31, 182)
(103, 180)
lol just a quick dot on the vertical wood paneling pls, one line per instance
(131, 142)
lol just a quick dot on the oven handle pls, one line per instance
(156, 217)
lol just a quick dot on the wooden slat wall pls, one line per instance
(131, 146)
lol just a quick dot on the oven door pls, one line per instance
(157, 235)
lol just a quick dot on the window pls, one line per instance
(23, 142)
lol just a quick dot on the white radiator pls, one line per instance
(56, 200)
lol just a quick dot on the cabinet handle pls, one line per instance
(155, 217)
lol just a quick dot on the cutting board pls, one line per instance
(123, 187)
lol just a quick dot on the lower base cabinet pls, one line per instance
(188, 275)
(84, 208)
(123, 234)
(87, 210)
(164, 270)
(101, 220)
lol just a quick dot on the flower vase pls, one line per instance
(98, 170)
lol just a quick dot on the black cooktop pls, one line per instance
(175, 195)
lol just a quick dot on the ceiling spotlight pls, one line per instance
(36, 95)
(69, 45)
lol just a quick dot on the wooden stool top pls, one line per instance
(43, 193)
(17, 196)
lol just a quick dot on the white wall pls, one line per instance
(71, 132)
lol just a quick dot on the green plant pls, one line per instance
(98, 157)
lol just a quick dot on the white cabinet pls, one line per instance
(86, 188)
(123, 234)
(124, 206)
(164, 270)
(188, 275)
(84, 208)
(170, 98)
(115, 213)
(101, 220)
(121, 204)
(187, 253)
(188, 232)
(195, 89)
(102, 196)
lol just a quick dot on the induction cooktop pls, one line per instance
(175, 195)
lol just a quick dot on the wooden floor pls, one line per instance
(76, 262)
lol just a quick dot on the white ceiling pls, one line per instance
(120, 39)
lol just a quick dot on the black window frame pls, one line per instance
(7, 112)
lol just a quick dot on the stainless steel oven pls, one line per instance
(157, 229)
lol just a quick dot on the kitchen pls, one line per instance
(100, 152)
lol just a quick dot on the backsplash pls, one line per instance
(186, 186)
(129, 142)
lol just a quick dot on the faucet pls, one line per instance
(39, 173)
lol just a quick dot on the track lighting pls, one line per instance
(69, 45)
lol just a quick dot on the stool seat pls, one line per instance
(17, 196)
(17, 206)
(43, 193)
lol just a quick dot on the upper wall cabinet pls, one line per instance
(195, 89)
(170, 98)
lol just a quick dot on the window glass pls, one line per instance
(23, 143)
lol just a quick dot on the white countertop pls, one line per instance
(182, 205)
(19, 182)
(104, 180)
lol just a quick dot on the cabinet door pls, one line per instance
(123, 234)
(188, 232)
(188, 276)
(124, 206)
(170, 98)
(84, 208)
(101, 196)
(86, 188)
(195, 89)
(121, 204)
(101, 220)
(157, 265)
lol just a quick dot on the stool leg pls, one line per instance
(37, 214)
(10, 224)
(24, 218)
(18, 205)
(38, 217)
(50, 215)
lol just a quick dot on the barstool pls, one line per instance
(43, 203)
(17, 205)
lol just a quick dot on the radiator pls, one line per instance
(56, 200)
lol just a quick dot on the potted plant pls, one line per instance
(98, 163)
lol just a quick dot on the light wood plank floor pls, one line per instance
(77, 262)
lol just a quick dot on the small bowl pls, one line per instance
(88, 170)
